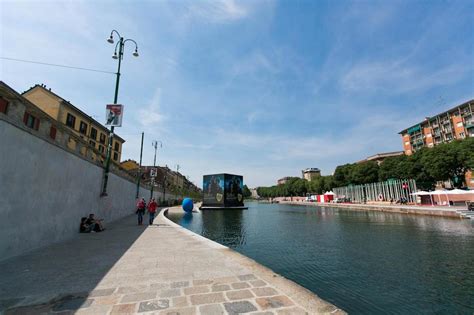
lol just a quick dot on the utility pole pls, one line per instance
(140, 169)
(155, 145)
(177, 178)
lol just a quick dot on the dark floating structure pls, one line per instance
(223, 191)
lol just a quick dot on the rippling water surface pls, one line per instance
(363, 262)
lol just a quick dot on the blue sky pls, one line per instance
(258, 88)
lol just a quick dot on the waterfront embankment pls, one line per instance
(452, 212)
(159, 269)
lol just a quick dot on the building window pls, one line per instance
(70, 121)
(52, 132)
(101, 148)
(83, 128)
(459, 124)
(116, 146)
(115, 156)
(92, 143)
(31, 121)
(3, 105)
(102, 138)
(93, 133)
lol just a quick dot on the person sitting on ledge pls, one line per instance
(95, 224)
(84, 228)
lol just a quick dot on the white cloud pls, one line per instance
(217, 11)
(150, 115)
(396, 77)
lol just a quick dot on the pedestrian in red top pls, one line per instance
(152, 205)
(141, 206)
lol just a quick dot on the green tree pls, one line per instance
(246, 192)
(364, 173)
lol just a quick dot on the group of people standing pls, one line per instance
(142, 207)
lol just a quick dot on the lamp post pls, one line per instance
(155, 145)
(120, 44)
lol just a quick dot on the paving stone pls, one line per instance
(180, 301)
(247, 277)
(239, 295)
(123, 309)
(170, 293)
(273, 302)
(212, 309)
(101, 292)
(30, 310)
(106, 300)
(258, 283)
(240, 285)
(159, 286)
(196, 290)
(207, 298)
(220, 287)
(265, 291)
(180, 284)
(222, 280)
(73, 303)
(181, 311)
(235, 308)
(292, 311)
(202, 282)
(155, 305)
(263, 313)
(137, 297)
(132, 289)
(93, 310)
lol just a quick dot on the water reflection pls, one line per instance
(224, 226)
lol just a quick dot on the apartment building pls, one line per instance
(456, 123)
(83, 125)
(310, 173)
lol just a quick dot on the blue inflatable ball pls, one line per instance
(188, 205)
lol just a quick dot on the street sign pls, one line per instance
(153, 172)
(113, 114)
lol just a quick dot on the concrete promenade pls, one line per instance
(442, 211)
(159, 269)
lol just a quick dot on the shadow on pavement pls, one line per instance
(60, 277)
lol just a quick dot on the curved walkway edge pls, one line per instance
(258, 286)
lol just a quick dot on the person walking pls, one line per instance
(141, 206)
(152, 205)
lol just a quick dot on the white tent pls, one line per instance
(439, 193)
(423, 193)
(329, 193)
(459, 192)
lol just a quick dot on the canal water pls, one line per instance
(363, 262)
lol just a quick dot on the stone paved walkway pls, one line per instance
(161, 269)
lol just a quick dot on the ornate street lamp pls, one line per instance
(120, 45)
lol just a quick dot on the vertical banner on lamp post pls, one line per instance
(113, 114)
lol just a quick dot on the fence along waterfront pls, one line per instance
(381, 191)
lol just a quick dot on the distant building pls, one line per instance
(310, 173)
(380, 157)
(83, 125)
(283, 180)
(254, 193)
(456, 123)
(165, 177)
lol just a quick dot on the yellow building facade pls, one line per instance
(96, 134)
